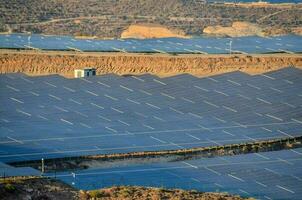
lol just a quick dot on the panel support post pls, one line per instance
(42, 166)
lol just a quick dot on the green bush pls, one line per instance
(125, 192)
(97, 194)
(9, 187)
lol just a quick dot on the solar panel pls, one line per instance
(210, 45)
(269, 175)
(7, 170)
(50, 116)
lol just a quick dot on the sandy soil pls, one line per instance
(297, 31)
(238, 29)
(143, 31)
(260, 4)
(63, 63)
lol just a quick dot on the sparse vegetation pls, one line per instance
(97, 194)
(41, 188)
(141, 193)
(108, 18)
(8, 187)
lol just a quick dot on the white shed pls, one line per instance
(78, 73)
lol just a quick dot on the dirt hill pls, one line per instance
(143, 31)
(64, 63)
(238, 29)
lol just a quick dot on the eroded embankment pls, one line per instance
(106, 160)
(64, 63)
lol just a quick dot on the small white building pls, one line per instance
(78, 73)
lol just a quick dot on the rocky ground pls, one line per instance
(48, 189)
(36, 189)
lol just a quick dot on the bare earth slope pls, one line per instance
(143, 31)
(64, 63)
(238, 29)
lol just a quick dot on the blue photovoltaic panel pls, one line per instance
(7, 170)
(50, 116)
(210, 45)
(269, 175)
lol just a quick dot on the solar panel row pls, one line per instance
(269, 175)
(7, 170)
(289, 43)
(50, 116)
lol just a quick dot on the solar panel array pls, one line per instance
(270, 175)
(50, 116)
(204, 45)
(9, 171)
